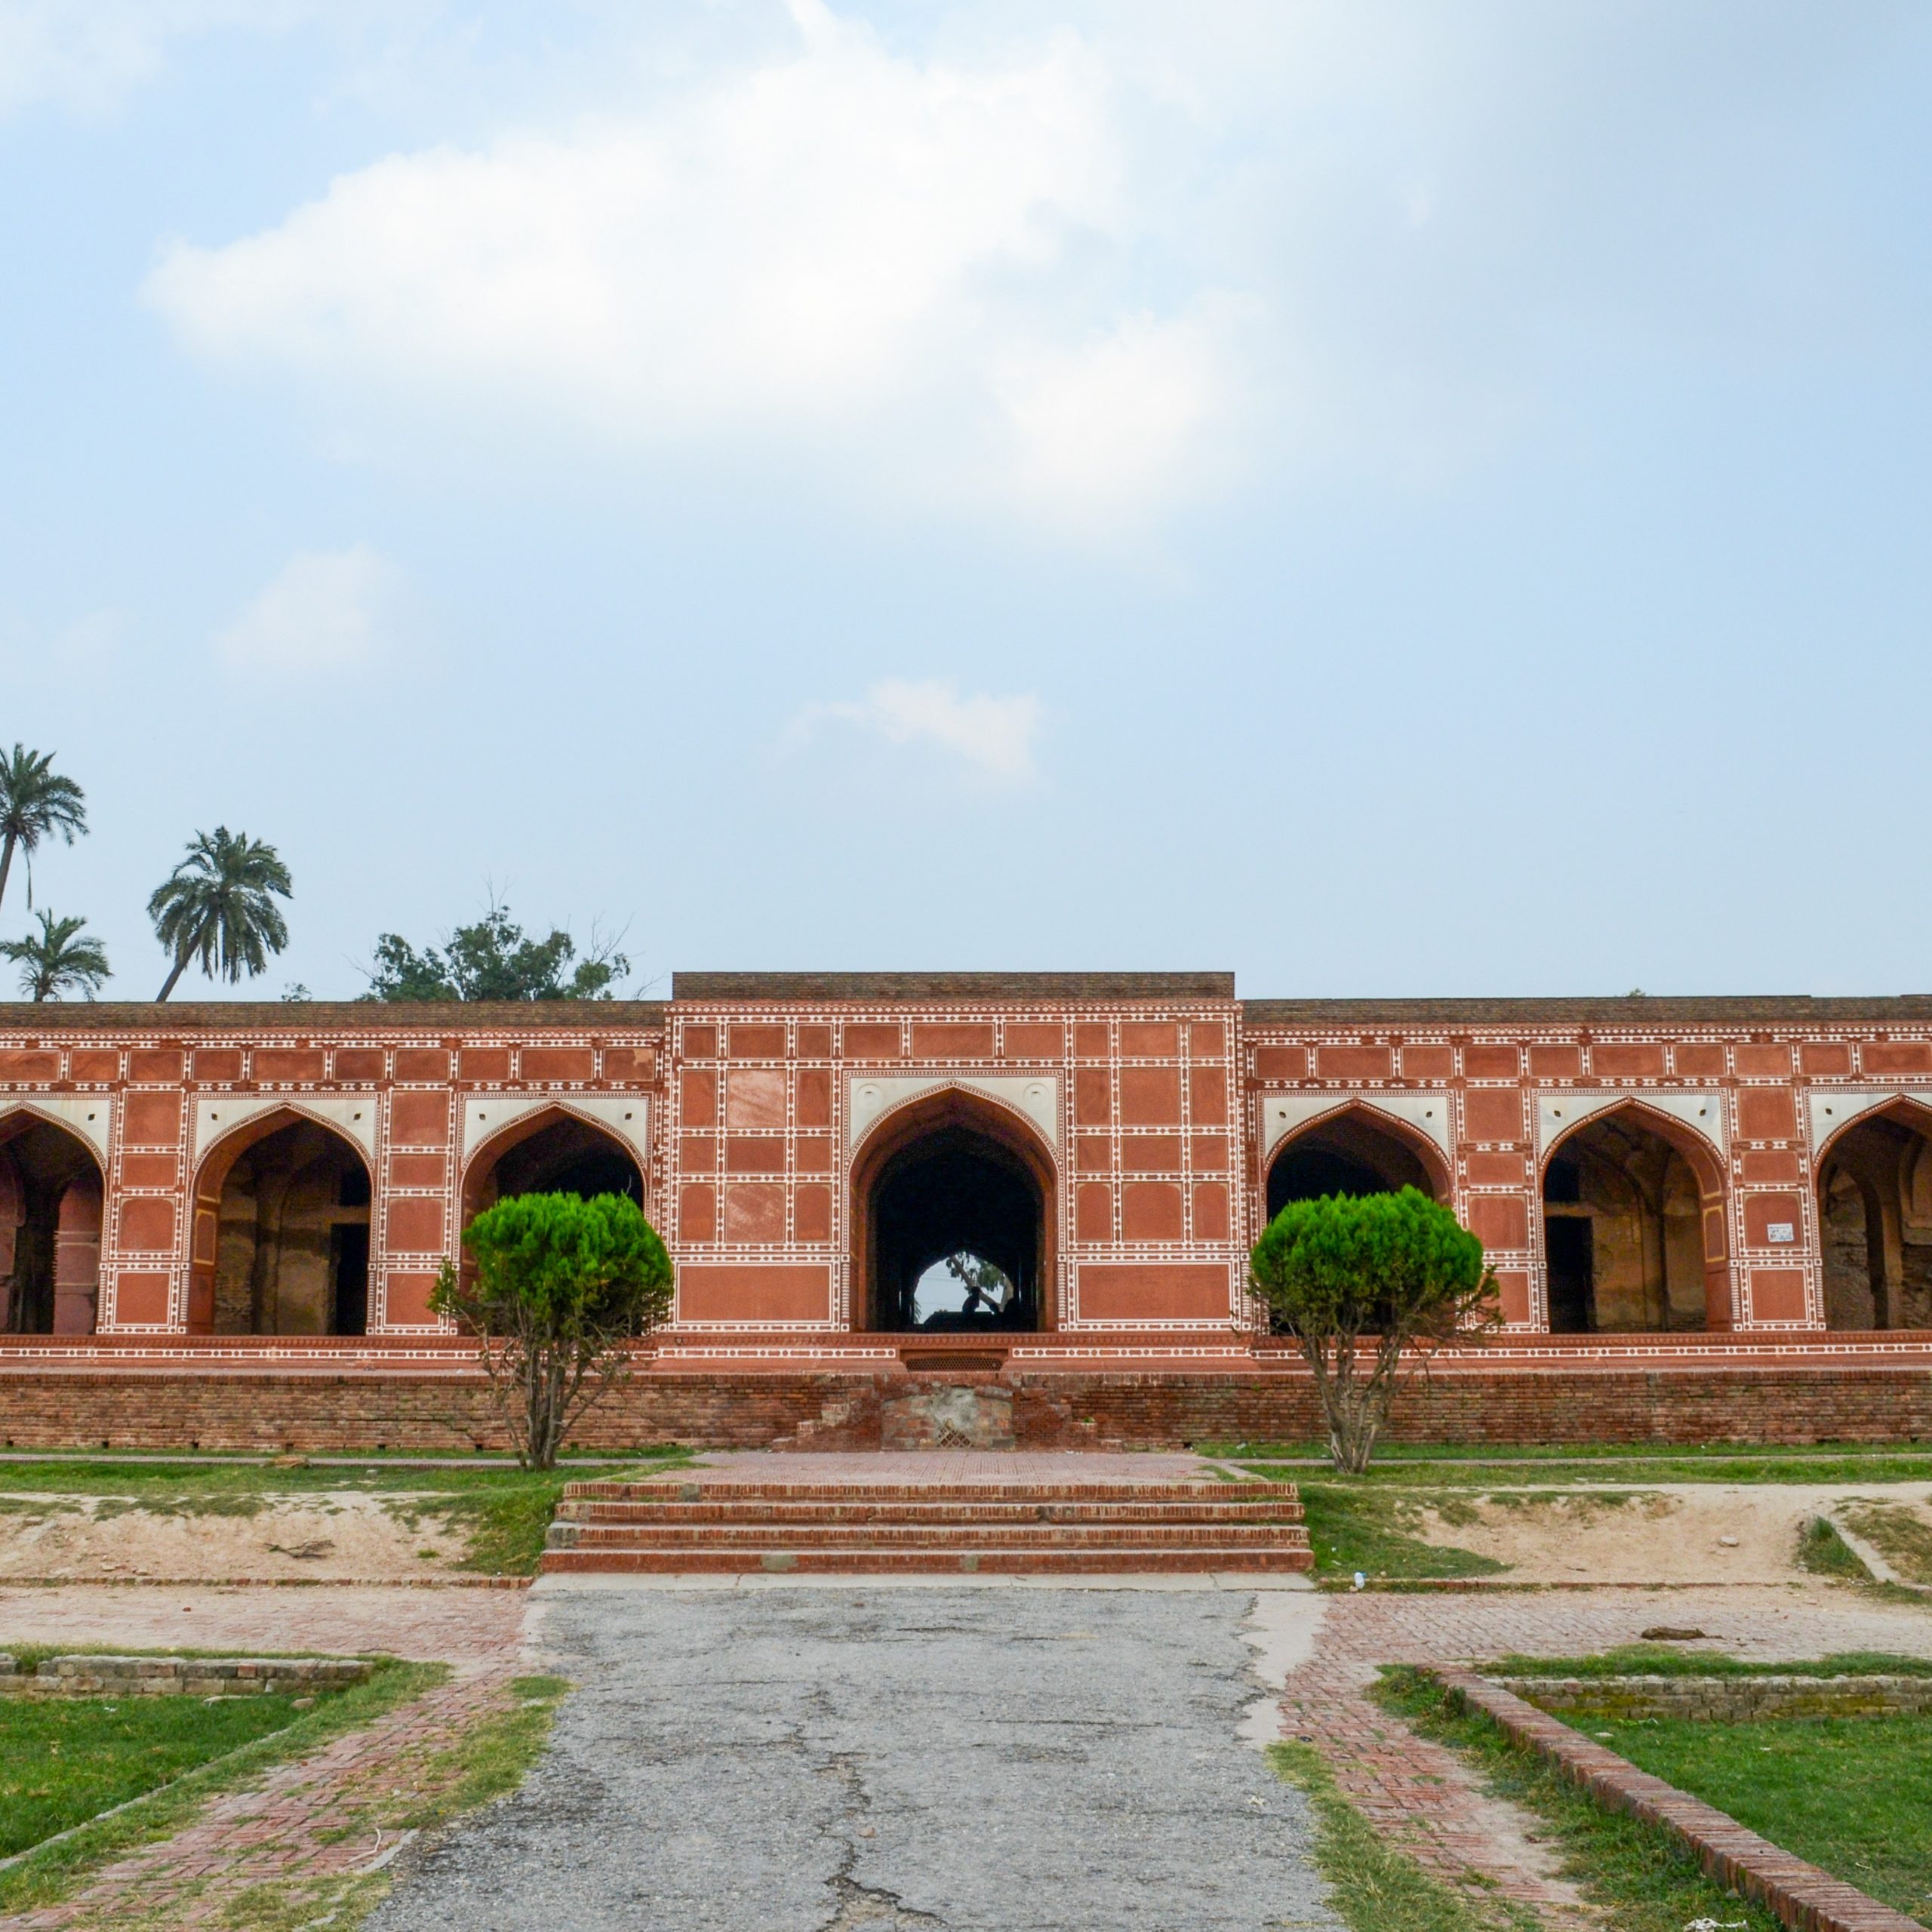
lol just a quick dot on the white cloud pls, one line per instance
(87, 55)
(994, 735)
(912, 270)
(324, 610)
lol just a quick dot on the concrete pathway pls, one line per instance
(808, 1760)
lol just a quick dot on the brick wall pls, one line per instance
(440, 1409)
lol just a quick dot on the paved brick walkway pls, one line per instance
(335, 1620)
(1423, 1798)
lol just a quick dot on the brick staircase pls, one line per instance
(1014, 1527)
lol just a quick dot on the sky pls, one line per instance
(1389, 498)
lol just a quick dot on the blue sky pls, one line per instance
(1390, 498)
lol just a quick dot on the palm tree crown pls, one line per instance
(36, 800)
(218, 905)
(57, 960)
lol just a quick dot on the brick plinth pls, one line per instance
(438, 1401)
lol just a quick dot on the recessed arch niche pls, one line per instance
(953, 1209)
(50, 1193)
(1874, 1218)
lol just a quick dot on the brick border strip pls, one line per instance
(266, 1582)
(1801, 1895)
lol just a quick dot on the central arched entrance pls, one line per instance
(952, 1220)
(1354, 1152)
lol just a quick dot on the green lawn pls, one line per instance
(1352, 1527)
(1478, 1465)
(1852, 1795)
(1642, 1878)
(65, 1760)
(1676, 1660)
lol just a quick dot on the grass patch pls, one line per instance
(1852, 1795)
(64, 1760)
(1672, 1660)
(46, 1875)
(1900, 1534)
(1823, 1553)
(1372, 1888)
(1646, 1881)
(1351, 1528)
(1477, 1467)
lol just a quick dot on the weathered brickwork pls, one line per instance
(758, 1112)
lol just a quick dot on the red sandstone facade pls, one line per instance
(1150, 1114)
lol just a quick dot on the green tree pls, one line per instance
(218, 906)
(493, 960)
(36, 802)
(57, 960)
(561, 1287)
(1362, 1281)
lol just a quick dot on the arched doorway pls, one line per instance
(1633, 1236)
(1875, 1219)
(50, 1228)
(281, 1238)
(1353, 1152)
(952, 1220)
(552, 1152)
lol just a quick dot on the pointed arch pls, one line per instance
(52, 1183)
(555, 1137)
(1873, 1174)
(1354, 1147)
(279, 1238)
(951, 1132)
(1708, 1177)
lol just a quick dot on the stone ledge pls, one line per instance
(86, 1676)
(1723, 1699)
(1798, 1894)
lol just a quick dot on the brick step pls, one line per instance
(584, 1510)
(895, 1536)
(698, 1490)
(1115, 1559)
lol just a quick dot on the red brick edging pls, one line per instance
(268, 1583)
(1801, 1895)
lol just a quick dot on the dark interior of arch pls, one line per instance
(1875, 1221)
(1349, 1156)
(955, 1191)
(40, 1162)
(1623, 1233)
(569, 1157)
(292, 1243)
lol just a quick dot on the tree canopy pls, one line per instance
(218, 906)
(561, 1286)
(1359, 1280)
(62, 958)
(493, 959)
(36, 802)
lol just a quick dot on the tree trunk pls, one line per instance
(167, 985)
(6, 865)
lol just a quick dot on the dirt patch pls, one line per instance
(1899, 1529)
(1674, 1532)
(335, 1536)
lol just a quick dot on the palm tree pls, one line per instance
(57, 960)
(35, 801)
(216, 905)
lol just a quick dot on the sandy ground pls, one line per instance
(1670, 1533)
(336, 1536)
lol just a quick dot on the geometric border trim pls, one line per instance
(1831, 1107)
(626, 1115)
(1035, 1096)
(352, 1115)
(1700, 1108)
(1426, 1108)
(89, 1115)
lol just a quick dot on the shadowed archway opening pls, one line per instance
(1875, 1219)
(952, 1204)
(550, 1152)
(1634, 1237)
(1353, 1153)
(50, 1228)
(290, 1212)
